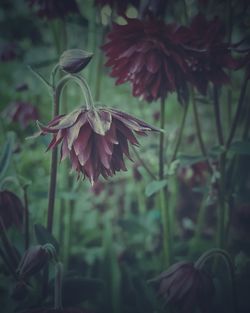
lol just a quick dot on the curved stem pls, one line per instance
(26, 218)
(143, 164)
(218, 116)
(183, 120)
(226, 257)
(198, 131)
(237, 113)
(85, 87)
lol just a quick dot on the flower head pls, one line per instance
(51, 9)
(96, 140)
(74, 60)
(186, 287)
(147, 54)
(11, 209)
(207, 55)
(22, 113)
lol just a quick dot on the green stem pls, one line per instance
(143, 164)
(200, 219)
(218, 116)
(58, 286)
(237, 113)
(8, 264)
(226, 257)
(26, 218)
(165, 214)
(178, 143)
(199, 133)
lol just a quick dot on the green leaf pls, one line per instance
(43, 236)
(188, 160)
(6, 153)
(154, 187)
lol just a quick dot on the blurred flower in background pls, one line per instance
(51, 9)
(22, 113)
(11, 209)
(186, 287)
(207, 55)
(95, 140)
(148, 54)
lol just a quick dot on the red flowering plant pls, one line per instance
(207, 55)
(146, 53)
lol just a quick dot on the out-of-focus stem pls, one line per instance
(218, 116)
(7, 245)
(183, 120)
(144, 165)
(58, 286)
(237, 113)
(162, 139)
(26, 218)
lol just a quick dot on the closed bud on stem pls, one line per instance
(74, 60)
(34, 259)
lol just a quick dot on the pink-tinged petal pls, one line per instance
(124, 146)
(90, 173)
(56, 139)
(111, 134)
(84, 155)
(127, 133)
(82, 140)
(153, 62)
(100, 121)
(73, 131)
(64, 150)
(104, 144)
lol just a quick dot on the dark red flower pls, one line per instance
(119, 5)
(195, 174)
(186, 287)
(22, 113)
(11, 209)
(33, 260)
(95, 140)
(148, 54)
(8, 52)
(51, 9)
(21, 87)
(207, 55)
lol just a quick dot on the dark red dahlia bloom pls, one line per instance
(8, 52)
(207, 56)
(11, 209)
(119, 5)
(96, 140)
(22, 113)
(33, 260)
(147, 54)
(51, 9)
(186, 287)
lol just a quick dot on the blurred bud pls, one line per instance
(11, 209)
(19, 291)
(21, 87)
(74, 60)
(186, 286)
(33, 260)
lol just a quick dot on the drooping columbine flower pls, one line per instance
(96, 140)
(146, 53)
(186, 287)
(119, 5)
(207, 55)
(51, 9)
(22, 113)
(11, 209)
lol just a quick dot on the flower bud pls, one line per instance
(11, 209)
(33, 260)
(74, 60)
